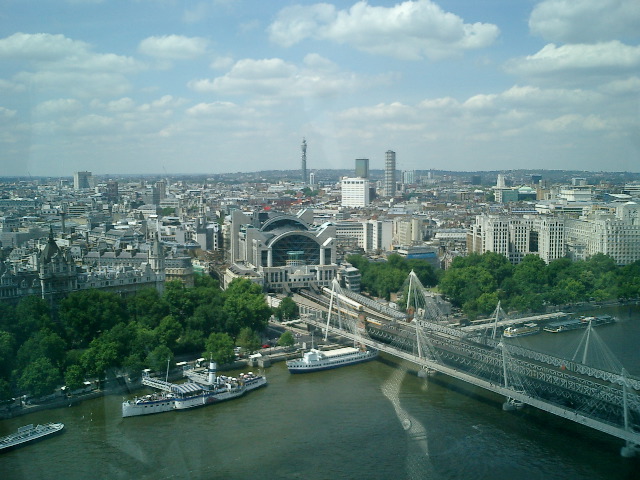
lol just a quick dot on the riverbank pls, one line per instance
(120, 385)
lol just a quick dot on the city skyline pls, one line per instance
(233, 86)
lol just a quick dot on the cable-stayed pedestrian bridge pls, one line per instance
(591, 388)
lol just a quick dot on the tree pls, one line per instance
(32, 314)
(147, 307)
(245, 306)
(169, 331)
(39, 378)
(248, 340)
(7, 353)
(7, 317)
(133, 365)
(286, 339)
(42, 344)
(219, 347)
(87, 313)
(74, 378)
(157, 358)
(101, 356)
(287, 309)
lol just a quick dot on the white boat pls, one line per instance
(315, 360)
(521, 330)
(29, 433)
(203, 388)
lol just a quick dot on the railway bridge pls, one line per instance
(605, 398)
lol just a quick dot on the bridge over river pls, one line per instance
(605, 399)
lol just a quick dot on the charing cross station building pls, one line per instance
(282, 251)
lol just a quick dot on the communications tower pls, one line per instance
(304, 161)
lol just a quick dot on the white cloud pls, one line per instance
(55, 62)
(279, 79)
(173, 47)
(61, 53)
(222, 63)
(6, 113)
(60, 106)
(585, 21)
(578, 63)
(411, 30)
(520, 113)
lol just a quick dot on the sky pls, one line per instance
(222, 86)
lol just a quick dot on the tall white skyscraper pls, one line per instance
(390, 174)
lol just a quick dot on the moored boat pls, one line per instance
(29, 433)
(315, 360)
(203, 388)
(521, 330)
(579, 322)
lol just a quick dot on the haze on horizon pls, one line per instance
(222, 86)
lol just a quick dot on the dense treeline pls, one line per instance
(476, 283)
(96, 332)
(381, 279)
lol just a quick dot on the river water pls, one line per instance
(376, 420)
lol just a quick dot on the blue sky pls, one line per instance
(215, 86)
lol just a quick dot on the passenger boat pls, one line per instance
(315, 360)
(203, 388)
(580, 322)
(29, 433)
(521, 330)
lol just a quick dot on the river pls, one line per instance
(376, 420)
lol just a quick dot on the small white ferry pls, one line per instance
(521, 330)
(315, 360)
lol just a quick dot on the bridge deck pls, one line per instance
(629, 436)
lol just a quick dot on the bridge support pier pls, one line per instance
(630, 450)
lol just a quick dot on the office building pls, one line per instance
(362, 167)
(616, 235)
(515, 236)
(408, 177)
(81, 180)
(369, 235)
(355, 192)
(390, 174)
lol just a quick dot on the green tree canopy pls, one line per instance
(147, 307)
(74, 377)
(219, 347)
(248, 340)
(286, 339)
(42, 344)
(158, 357)
(86, 313)
(32, 314)
(287, 309)
(39, 378)
(245, 306)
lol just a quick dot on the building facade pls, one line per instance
(515, 236)
(81, 180)
(355, 192)
(362, 167)
(282, 252)
(390, 174)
